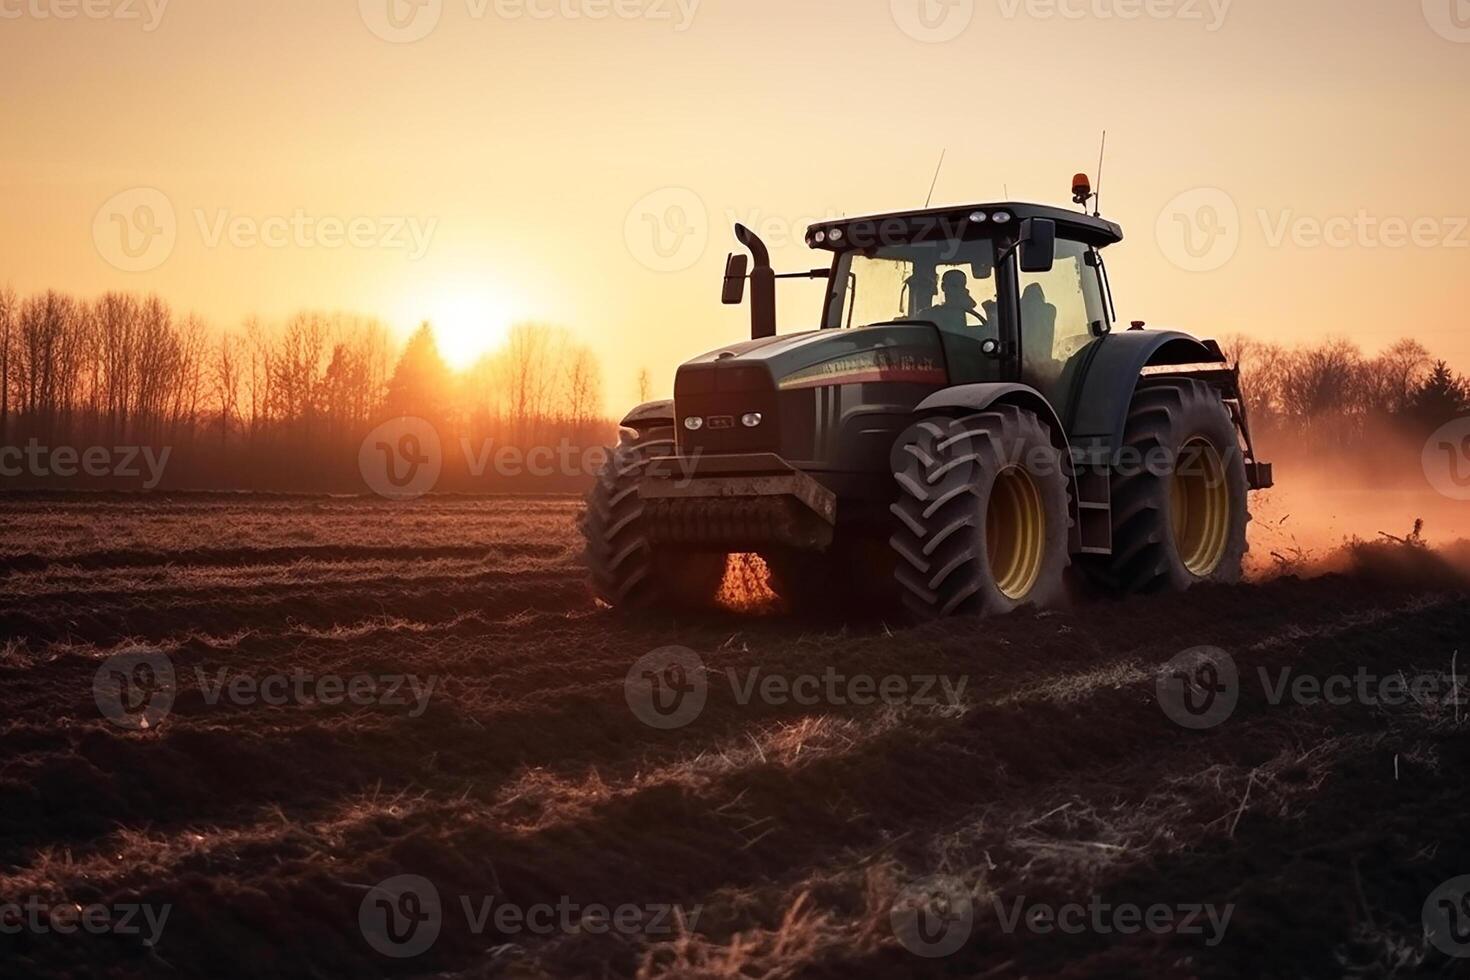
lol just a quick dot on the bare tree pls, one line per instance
(9, 307)
(583, 388)
(226, 376)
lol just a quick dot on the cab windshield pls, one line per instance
(948, 283)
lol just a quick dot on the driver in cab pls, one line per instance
(958, 306)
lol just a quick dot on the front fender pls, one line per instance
(649, 415)
(979, 397)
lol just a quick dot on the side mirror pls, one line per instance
(1038, 245)
(737, 267)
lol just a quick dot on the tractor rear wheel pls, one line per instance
(628, 571)
(1179, 493)
(983, 515)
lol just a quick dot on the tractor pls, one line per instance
(965, 433)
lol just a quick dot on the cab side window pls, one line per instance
(1058, 310)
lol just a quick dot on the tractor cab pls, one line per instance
(1019, 292)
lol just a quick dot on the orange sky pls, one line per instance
(517, 159)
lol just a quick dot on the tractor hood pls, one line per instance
(795, 395)
(896, 353)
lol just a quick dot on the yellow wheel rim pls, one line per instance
(1200, 508)
(1015, 533)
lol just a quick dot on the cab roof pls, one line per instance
(877, 229)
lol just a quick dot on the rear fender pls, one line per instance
(1100, 412)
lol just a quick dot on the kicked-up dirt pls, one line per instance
(319, 737)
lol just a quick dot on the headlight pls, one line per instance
(751, 420)
(694, 423)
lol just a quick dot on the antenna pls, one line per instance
(935, 182)
(1101, 156)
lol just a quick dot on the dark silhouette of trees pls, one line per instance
(273, 406)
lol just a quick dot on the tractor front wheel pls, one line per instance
(628, 571)
(983, 515)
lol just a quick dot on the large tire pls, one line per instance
(628, 572)
(983, 515)
(1179, 493)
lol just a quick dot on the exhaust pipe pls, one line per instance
(762, 285)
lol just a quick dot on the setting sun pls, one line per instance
(468, 322)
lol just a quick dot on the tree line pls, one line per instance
(273, 405)
(1331, 401)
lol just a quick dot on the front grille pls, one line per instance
(721, 395)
